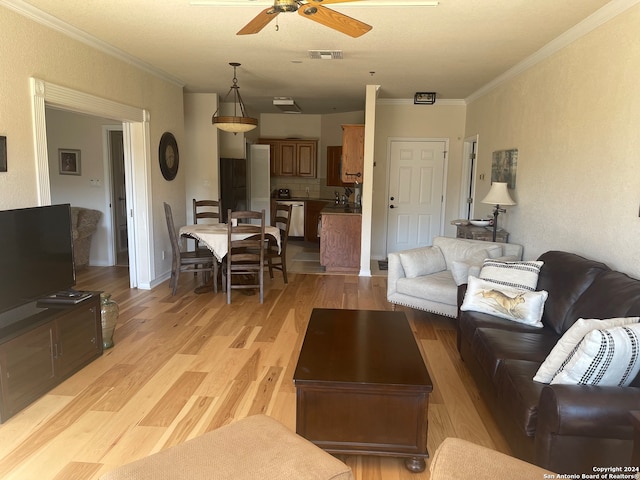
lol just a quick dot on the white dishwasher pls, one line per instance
(296, 229)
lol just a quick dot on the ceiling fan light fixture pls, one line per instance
(285, 6)
(237, 123)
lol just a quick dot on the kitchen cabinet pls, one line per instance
(352, 153)
(39, 352)
(340, 242)
(292, 158)
(312, 209)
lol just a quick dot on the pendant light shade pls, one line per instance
(236, 123)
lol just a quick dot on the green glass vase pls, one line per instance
(109, 312)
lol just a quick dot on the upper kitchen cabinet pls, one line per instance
(352, 153)
(292, 158)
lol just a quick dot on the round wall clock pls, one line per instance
(169, 157)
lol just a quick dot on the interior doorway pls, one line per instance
(468, 180)
(119, 198)
(135, 124)
(416, 192)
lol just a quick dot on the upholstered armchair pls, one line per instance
(84, 223)
(457, 459)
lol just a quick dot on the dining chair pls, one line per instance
(245, 256)
(274, 257)
(196, 261)
(207, 210)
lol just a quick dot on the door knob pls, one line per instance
(392, 198)
(392, 206)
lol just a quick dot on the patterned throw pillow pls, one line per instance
(609, 357)
(505, 302)
(570, 339)
(523, 275)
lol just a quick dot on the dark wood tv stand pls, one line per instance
(40, 351)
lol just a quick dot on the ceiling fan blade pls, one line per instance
(259, 22)
(332, 19)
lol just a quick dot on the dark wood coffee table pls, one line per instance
(362, 386)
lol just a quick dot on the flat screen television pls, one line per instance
(36, 254)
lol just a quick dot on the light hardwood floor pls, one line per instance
(187, 364)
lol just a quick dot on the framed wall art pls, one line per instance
(3, 154)
(69, 161)
(503, 167)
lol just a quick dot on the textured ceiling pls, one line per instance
(453, 49)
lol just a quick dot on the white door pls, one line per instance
(416, 185)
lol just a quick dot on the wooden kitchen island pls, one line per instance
(340, 238)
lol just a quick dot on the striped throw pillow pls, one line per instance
(519, 275)
(608, 357)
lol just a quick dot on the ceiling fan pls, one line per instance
(311, 9)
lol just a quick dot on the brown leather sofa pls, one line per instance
(563, 428)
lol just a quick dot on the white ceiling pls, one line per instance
(453, 49)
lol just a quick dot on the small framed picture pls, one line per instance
(3, 154)
(69, 161)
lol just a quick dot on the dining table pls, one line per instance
(214, 236)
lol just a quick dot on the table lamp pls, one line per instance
(498, 195)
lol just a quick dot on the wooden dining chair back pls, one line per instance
(195, 261)
(276, 258)
(206, 209)
(245, 258)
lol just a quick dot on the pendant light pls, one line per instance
(235, 123)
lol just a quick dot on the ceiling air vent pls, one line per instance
(286, 105)
(325, 54)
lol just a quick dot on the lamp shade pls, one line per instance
(498, 195)
(235, 124)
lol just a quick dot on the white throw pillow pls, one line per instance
(608, 357)
(461, 271)
(514, 304)
(570, 339)
(523, 275)
(422, 261)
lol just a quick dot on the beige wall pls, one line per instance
(29, 49)
(444, 120)
(201, 149)
(574, 119)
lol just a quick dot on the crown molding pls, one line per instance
(409, 101)
(43, 18)
(593, 21)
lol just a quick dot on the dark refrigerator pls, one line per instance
(233, 185)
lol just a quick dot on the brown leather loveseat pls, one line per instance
(563, 428)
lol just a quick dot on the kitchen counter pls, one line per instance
(303, 199)
(348, 209)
